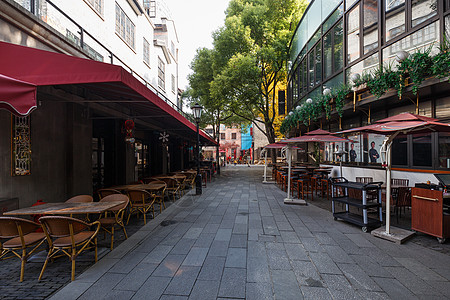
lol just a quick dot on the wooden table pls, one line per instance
(151, 187)
(65, 208)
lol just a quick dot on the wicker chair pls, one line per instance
(21, 234)
(105, 192)
(141, 201)
(68, 236)
(114, 217)
(160, 195)
(173, 187)
(80, 199)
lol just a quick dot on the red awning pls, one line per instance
(107, 81)
(278, 145)
(19, 97)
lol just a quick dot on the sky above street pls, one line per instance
(195, 20)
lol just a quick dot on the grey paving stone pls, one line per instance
(157, 255)
(204, 240)
(173, 297)
(256, 249)
(205, 290)
(122, 295)
(338, 255)
(289, 237)
(325, 239)
(323, 263)
(240, 219)
(258, 270)
(169, 265)
(72, 291)
(394, 288)
(236, 258)
(183, 246)
(316, 293)
(183, 281)
(253, 234)
(218, 248)
(370, 266)
(240, 229)
(232, 284)
(412, 281)
(258, 291)
(134, 280)
(196, 257)
(96, 271)
(360, 239)
(277, 257)
(417, 268)
(103, 286)
(212, 268)
(193, 233)
(373, 295)
(284, 225)
(223, 235)
(311, 244)
(128, 262)
(442, 287)
(358, 278)
(336, 282)
(238, 241)
(285, 285)
(306, 273)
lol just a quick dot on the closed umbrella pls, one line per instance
(276, 145)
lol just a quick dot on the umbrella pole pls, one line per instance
(388, 187)
(289, 157)
(265, 166)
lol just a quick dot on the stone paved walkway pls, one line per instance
(239, 241)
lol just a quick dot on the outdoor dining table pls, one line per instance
(64, 208)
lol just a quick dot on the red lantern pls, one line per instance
(129, 126)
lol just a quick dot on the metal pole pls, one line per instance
(289, 157)
(265, 165)
(198, 179)
(388, 188)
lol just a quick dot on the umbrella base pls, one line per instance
(295, 201)
(268, 181)
(396, 235)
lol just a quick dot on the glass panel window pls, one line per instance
(97, 5)
(444, 150)
(328, 55)
(233, 135)
(422, 150)
(146, 52)
(338, 44)
(447, 27)
(400, 151)
(311, 68)
(222, 135)
(423, 10)
(173, 84)
(333, 18)
(348, 3)
(124, 27)
(353, 41)
(370, 30)
(395, 18)
(318, 62)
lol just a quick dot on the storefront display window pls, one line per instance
(400, 151)
(422, 154)
(374, 142)
(444, 150)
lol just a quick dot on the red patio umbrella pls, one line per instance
(391, 127)
(19, 97)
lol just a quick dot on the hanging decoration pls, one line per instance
(164, 137)
(129, 131)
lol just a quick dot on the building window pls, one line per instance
(370, 29)
(233, 135)
(222, 135)
(150, 8)
(161, 74)
(395, 18)
(400, 152)
(146, 52)
(353, 36)
(21, 146)
(444, 150)
(447, 26)
(97, 5)
(172, 48)
(124, 27)
(422, 10)
(173, 84)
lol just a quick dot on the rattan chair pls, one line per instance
(68, 236)
(141, 201)
(160, 195)
(114, 217)
(80, 199)
(105, 192)
(173, 186)
(21, 235)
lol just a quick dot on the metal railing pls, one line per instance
(46, 11)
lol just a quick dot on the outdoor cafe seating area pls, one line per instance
(71, 228)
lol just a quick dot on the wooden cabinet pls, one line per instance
(429, 214)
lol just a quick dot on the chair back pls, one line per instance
(11, 227)
(80, 199)
(403, 197)
(138, 196)
(105, 192)
(400, 182)
(117, 197)
(59, 226)
(170, 182)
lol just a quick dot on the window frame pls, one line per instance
(161, 74)
(125, 28)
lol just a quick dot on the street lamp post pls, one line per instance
(197, 111)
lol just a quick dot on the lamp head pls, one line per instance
(401, 56)
(197, 111)
(309, 100)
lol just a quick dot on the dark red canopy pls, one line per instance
(19, 97)
(318, 135)
(104, 80)
(277, 145)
